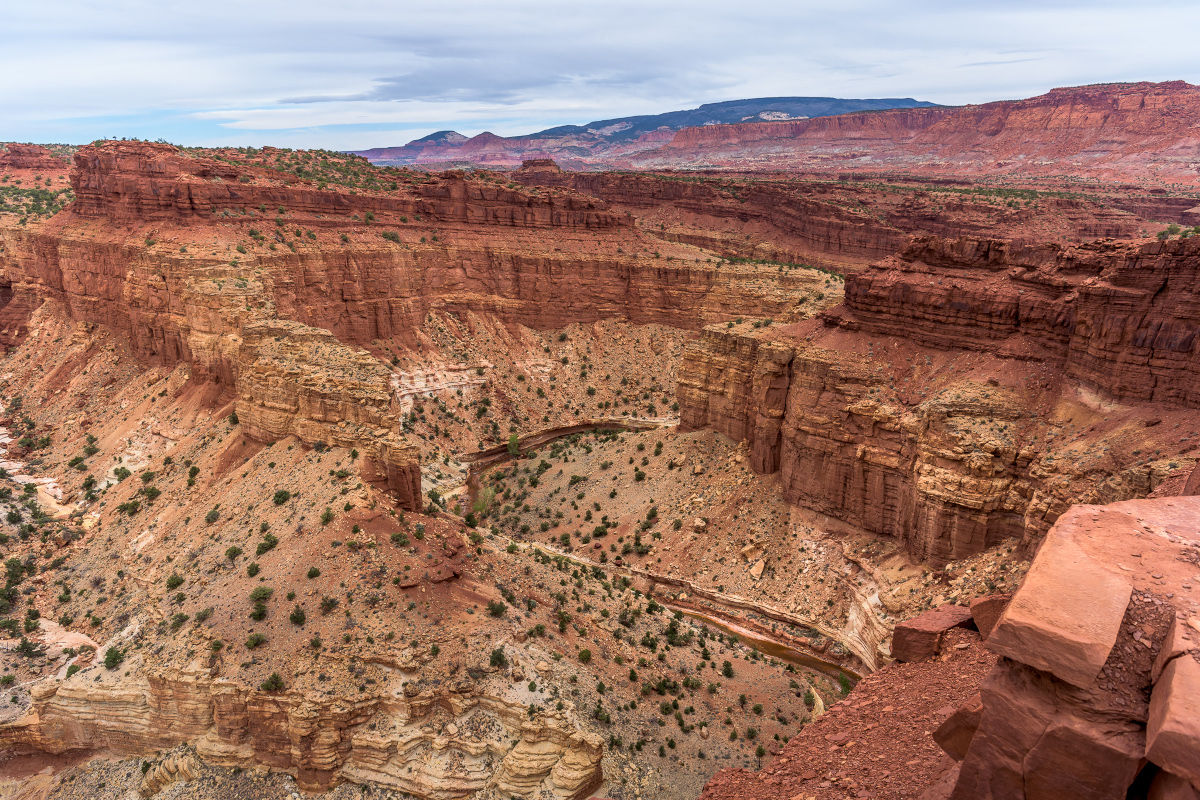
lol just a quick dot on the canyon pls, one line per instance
(610, 483)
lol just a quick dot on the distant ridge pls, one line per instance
(626, 133)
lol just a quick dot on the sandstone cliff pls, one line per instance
(948, 450)
(439, 745)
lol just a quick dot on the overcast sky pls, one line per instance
(346, 74)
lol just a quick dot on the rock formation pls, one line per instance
(420, 743)
(954, 471)
(30, 156)
(1100, 666)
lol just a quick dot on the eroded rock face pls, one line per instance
(443, 744)
(1101, 623)
(142, 181)
(30, 156)
(1122, 319)
(857, 434)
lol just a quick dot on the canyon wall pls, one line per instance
(800, 228)
(1122, 319)
(418, 742)
(953, 451)
(169, 249)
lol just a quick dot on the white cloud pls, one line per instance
(317, 74)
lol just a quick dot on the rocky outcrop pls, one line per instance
(955, 470)
(1100, 662)
(439, 744)
(940, 475)
(737, 384)
(293, 380)
(30, 156)
(143, 182)
(1121, 318)
(920, 637)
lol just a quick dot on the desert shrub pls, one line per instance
(113, 657)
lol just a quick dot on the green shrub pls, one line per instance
(281, 496)
(113, 657)
(255, 640)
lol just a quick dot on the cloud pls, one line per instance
(309, 73)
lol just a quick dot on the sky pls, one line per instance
(346, 74)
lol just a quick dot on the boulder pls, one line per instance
(1173, 727)
(1065, 618)
(954, 735)
(920, 638)
(986, 612)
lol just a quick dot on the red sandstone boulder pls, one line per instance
(954, 735)
(986, 612)
(920, 638)
(1173, 727)
(1066, 616)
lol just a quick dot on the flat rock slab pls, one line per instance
(920, 638)
(1066, 616)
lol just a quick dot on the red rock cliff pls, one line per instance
(931, 405)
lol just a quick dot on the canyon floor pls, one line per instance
(326, 479)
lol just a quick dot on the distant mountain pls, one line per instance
(594, 142)
(756, 109)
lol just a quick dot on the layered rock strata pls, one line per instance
(437, 744)
(451, 244)
(1122, 319)
(935, 450)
